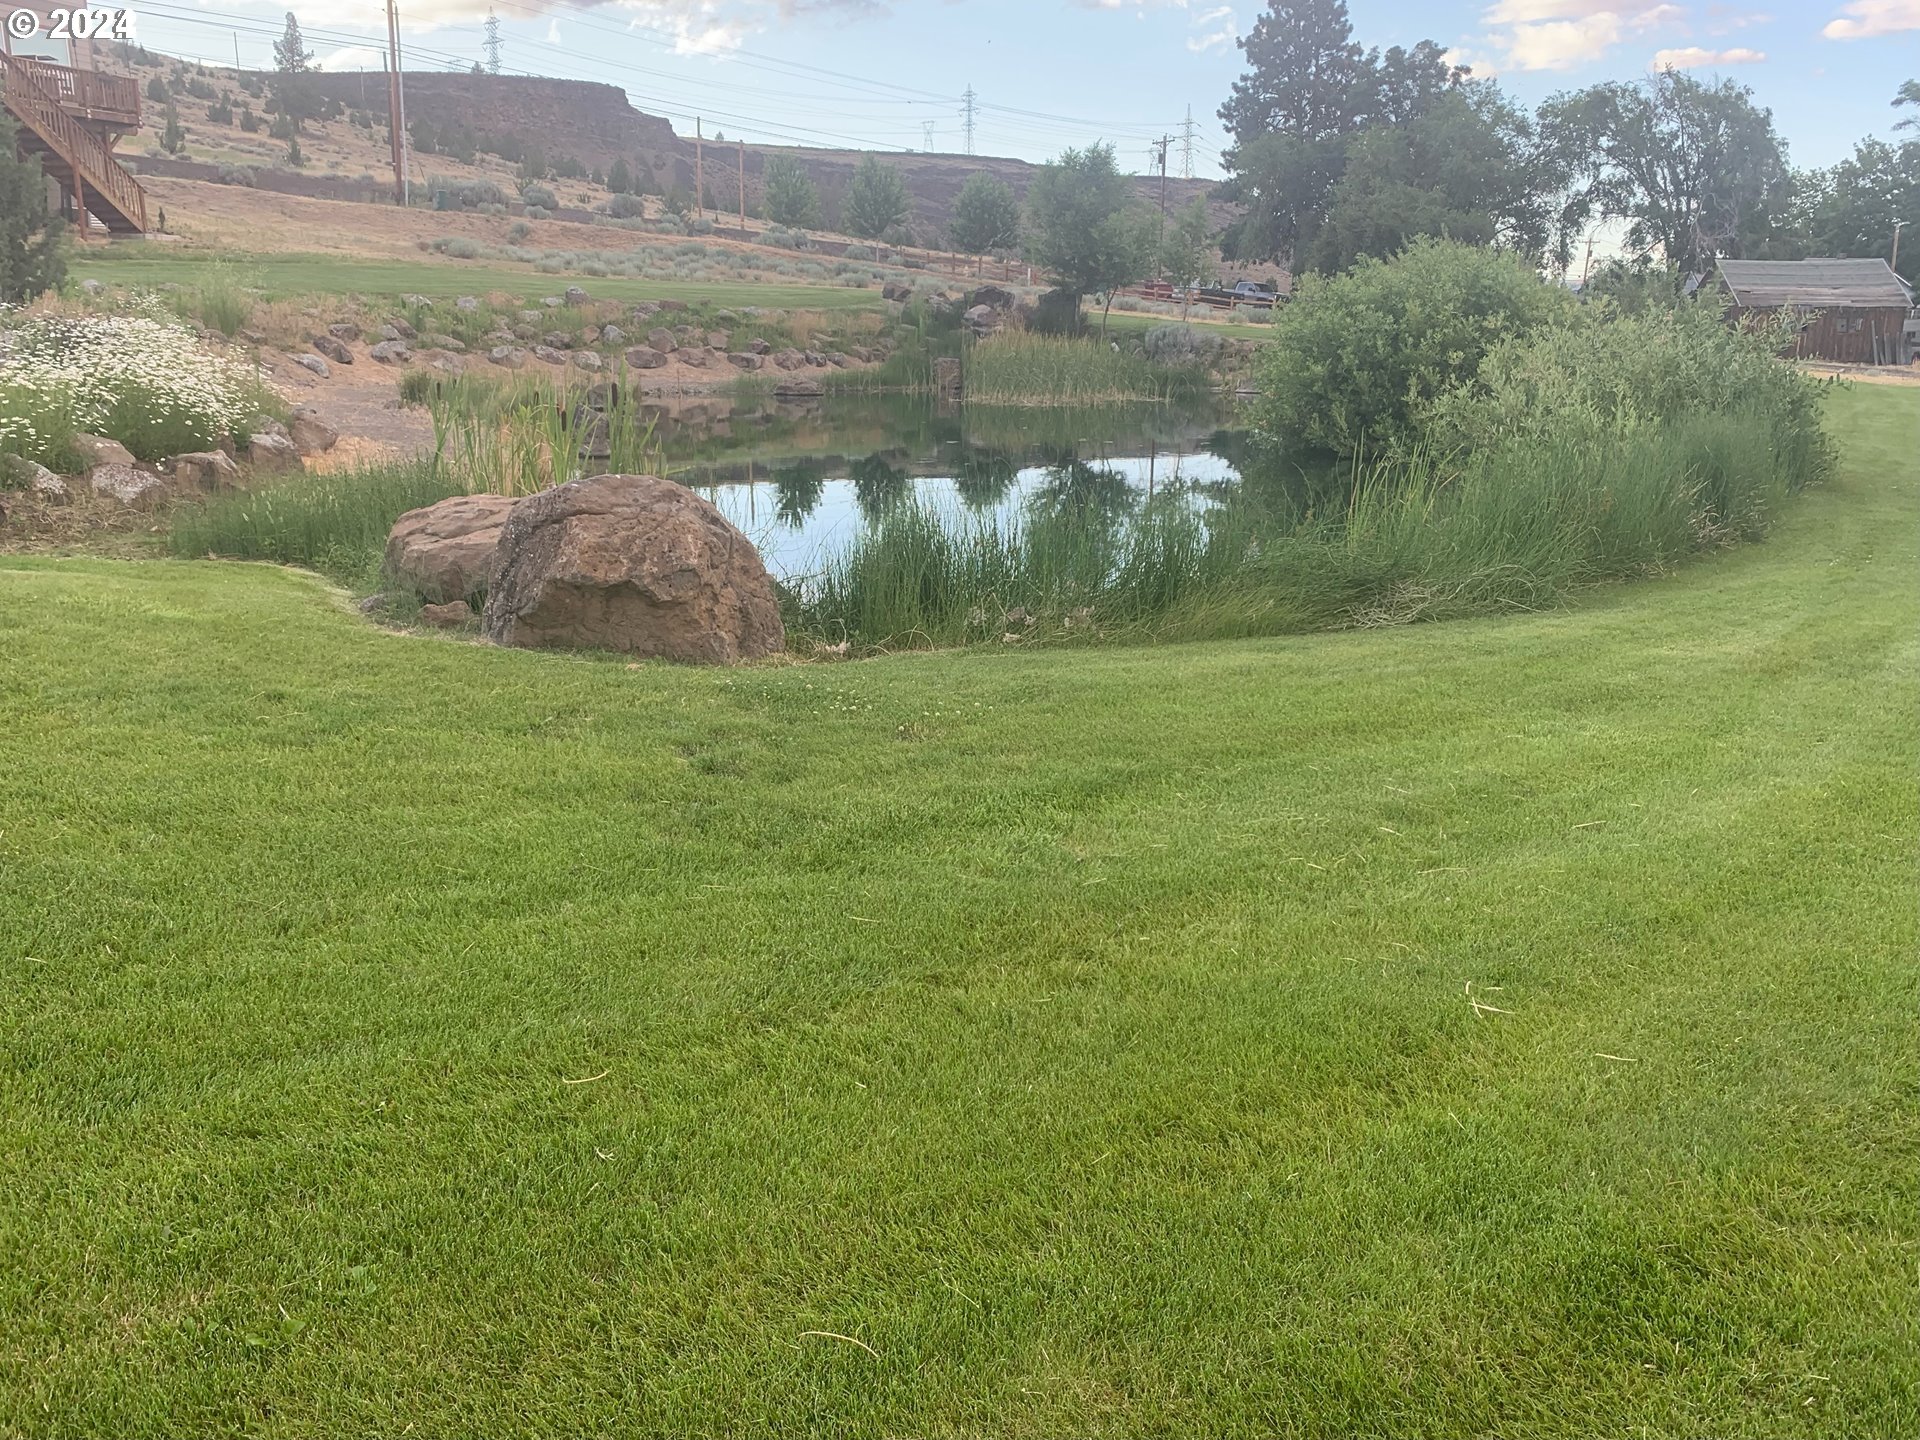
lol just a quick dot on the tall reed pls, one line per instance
(1023, 368)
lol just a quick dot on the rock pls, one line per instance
(449, 365)
(699, 359)
(443, 552)
(815, 359)
(993, 297)
(401, 330)
(549, 354)
(91, 287)
(745, 360)
(391, 352)
(205, 471)
(786, 359)
(344, 331)
(673, 305)
(98, 450)
(313, 363)
(334, 350)
(683, 333)
(272, 453)
(645, 310)
(759, 346)
(417, 302)
(982, 318)
(388, 332)
(836, 359)
(264, 424)
(894, 290)
(375, 604)
(531, 317)
(136, 489)
(468, 303)
(645, 357)
(511, 356)
(444, 342)
(309, 433)
(612, 335)
(726, 317)
(553, 302)
(523, 333)
(449, 616)
(576, 296)
(716, 339)
(586, 360)
(662, 339)
(799, 387)
(18, 472)
(557, 340)
(631, 563)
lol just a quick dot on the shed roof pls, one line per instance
(1815, 284)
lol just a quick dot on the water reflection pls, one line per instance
(803, 480)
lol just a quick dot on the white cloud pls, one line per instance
(1226, 29)
(1873, 17)
(1563, 34)
(1694, 57)
(354, 57)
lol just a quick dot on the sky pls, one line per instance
(1046, 74)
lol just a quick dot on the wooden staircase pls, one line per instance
(49, 102)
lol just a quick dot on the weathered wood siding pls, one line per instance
(1848, 336)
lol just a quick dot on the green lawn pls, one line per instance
(1500, 1028)
(281, 275)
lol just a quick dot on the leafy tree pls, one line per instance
(876, 200)
(1696, 167)
(985, 216)
(791, 197)
(1468, 169)
(1083, 228)
(678, 203)
(293, 66)
(294, 156)
(1356, 360)
(1851, 208)
(1307, 91)
(157, 91)
(620, 178)
(478, 69)
(33, 257)
(173, 135)
(1186, 254)
(1909, 95)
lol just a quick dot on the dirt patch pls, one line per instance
(1867, 374)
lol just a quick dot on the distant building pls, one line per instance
(1858, 311)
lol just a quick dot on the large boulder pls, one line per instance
(136, 489)
(993, 296)
(645, 357)
(391, 352)
(631, 563)
(310, 434)
(333, 349)
(206, 471)
(443, 552)
(272, 454)
(98, 450)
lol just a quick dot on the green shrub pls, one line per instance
(1356, 360)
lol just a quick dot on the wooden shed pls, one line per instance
(1857, 310)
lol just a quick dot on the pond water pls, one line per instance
(801, 481)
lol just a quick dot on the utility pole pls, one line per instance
(1586, 266)
(1894, 263)
(743, 189)
(393, 104)
(969, 107)
(493, 43)
(1160, 229)
(1186, 146)
(699, 170)
(236, 50)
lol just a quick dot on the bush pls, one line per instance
(1357, 359)
(518, 231)
(1180, 345)
(623, 206)
(236, 175)
(539, 196)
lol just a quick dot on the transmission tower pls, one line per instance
(969, 108)
(493, 43)
(1186, 146)
(926, 131)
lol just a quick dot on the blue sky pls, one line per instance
(1052, 73)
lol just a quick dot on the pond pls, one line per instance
(802, 481)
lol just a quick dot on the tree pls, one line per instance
(791, 198)
(1852, 208)
(1696, 168)
(1186, 255)
(985, 216)
(478, 69)
(1307, 91)
(876, 200)
(1909, 94)
(33, 257)
(293, 67)
(1468, 169)
(1083, 228)
(620, 178)
(173, 135)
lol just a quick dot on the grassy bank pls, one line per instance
(283, 275)
(1018, 368)
(1501, 1028)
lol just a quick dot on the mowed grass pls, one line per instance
(1490, 1028)
(283, 275)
